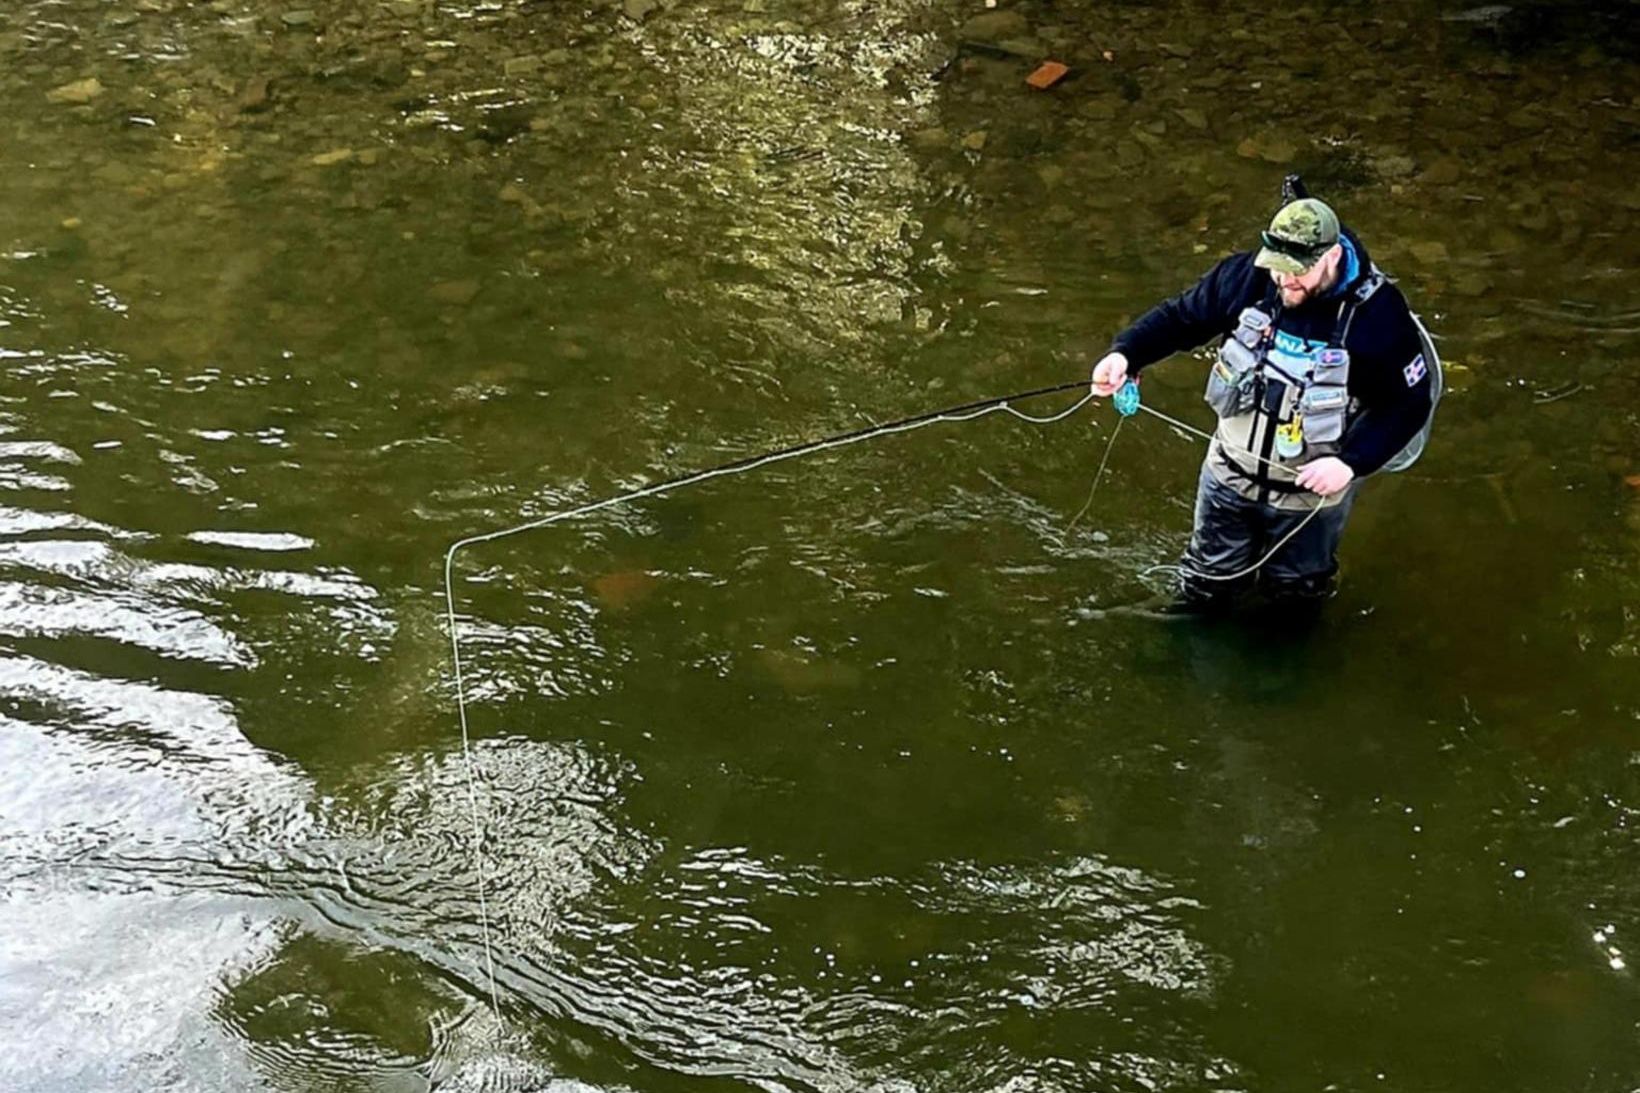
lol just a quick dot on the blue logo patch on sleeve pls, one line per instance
(1415, 371)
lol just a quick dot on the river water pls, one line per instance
(842, 774)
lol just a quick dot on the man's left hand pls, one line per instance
(1325, 476)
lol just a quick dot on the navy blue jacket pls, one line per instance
(1388, 379)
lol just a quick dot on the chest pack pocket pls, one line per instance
(1230, 381)
(1325, 399)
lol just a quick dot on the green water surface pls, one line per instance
(850, 773)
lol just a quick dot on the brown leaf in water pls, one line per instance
(623, 588)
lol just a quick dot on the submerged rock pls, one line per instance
(1443, 172)
(503, 124)
(931, 140)
(459, 293)
(1025, 47)
(1270, 148)
(1485, 15)
(77, 93)
(1472, 283)
(1100, 109)
(1429, 251)
(257, 95)
(1393, 167)
(995, 26)
(115, 174)
(1192, 117)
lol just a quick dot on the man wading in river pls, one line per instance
(1323, 378)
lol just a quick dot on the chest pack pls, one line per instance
(1309, 390)
(1304, 395)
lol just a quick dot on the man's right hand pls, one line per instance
(1109, 374)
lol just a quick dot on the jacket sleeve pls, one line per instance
(1194, 317)
(1394, 388)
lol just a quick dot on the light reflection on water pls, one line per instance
(842, 777)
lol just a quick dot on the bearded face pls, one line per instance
(1300, 288)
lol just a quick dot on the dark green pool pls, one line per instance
(841, 775)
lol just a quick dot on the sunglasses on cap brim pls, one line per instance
(1298, 251)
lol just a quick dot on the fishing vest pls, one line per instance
(1282, 402)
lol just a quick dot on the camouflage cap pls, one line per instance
(1300, 234)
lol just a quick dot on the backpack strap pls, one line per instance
(1360, 294)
